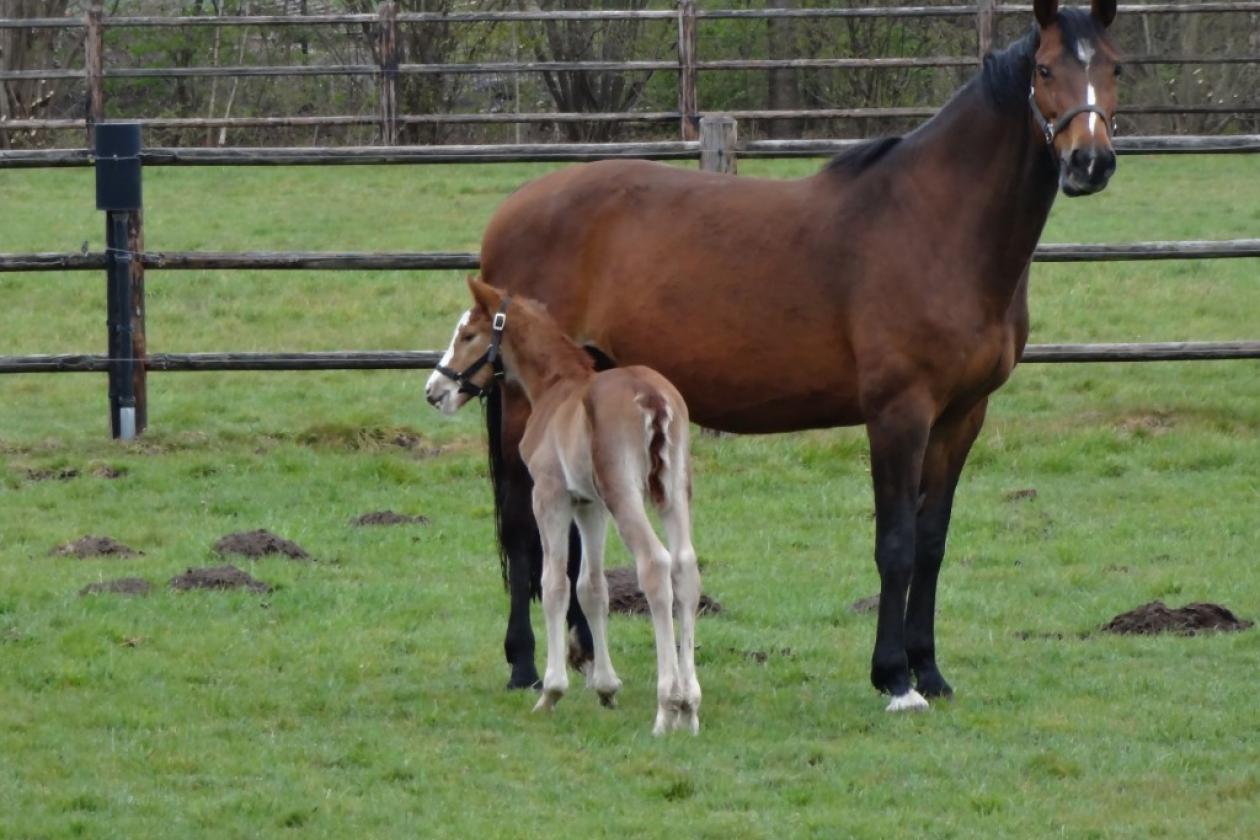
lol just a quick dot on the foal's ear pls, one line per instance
(1047, 11)
(1104, 10)
(486, 296)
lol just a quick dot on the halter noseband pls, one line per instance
(491, 357)
(1052, 129)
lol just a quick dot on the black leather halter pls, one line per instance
(1052, 129)
(491, 357)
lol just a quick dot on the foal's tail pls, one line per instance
(657, 418)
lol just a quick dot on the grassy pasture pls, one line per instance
(363, 697)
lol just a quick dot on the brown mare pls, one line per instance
(595, 444)
(887, 290)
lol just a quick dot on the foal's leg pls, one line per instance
(898, 433)
(947, 450)
(652, 562)
(685, 576)
(554, 513)
(592, 593)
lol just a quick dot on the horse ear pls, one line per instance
(1104, 10)
(1047, 11)
(486, 296)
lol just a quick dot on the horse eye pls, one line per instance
(1043, 71)
(466, 339)
(1118, 71)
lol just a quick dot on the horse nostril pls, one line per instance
(433, 399)
(1079, 159)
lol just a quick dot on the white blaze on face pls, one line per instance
(440, 386)
(1085, 52)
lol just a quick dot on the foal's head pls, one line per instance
(1074, 91)
(468, 367)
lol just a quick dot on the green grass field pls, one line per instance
(363, 698)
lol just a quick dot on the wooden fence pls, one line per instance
(126, 259)
(686, 64)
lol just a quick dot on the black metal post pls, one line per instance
(118, 193)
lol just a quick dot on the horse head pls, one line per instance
(473, 360)
(1073, 94)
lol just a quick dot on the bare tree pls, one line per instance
(24, 49)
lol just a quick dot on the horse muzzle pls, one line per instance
(1087, 170)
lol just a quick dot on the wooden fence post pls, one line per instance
(687, 105)
(118, 193)
(387, 46)
(984, 26)
(93, 60)
(717, 145)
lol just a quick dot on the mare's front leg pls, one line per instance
(947, 450)
(553, 511)
(898, 432)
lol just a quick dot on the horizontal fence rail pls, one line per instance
(1165, 351)
(457, 260)
(542, 152)
(596, 15)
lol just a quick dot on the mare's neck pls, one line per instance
(986, 163)
(541, 358)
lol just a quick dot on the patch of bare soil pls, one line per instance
(868, 604)
(108, 472)
(90, 546)
(55, 474)
(1189, 620)
(259, 543)
(624, 595)
(218, 577)
(118, 586)
(388, 517)
(1155, 423)
(1023, 494)
(368, 438)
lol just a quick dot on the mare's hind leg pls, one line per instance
(554, 513)
(592, 592)
(520, 542)
(898, 433)
(947, 450)
(685, 576)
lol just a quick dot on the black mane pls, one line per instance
(857, 159)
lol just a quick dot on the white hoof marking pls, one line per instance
(911, 701)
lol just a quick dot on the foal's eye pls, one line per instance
(466, 339)
(1043, 71)
(1118, 71)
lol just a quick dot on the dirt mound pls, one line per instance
(1155, 617)
(107, 472)
(624, 595)
(57, 474)
(118, 586)
(258, 543)
(869, 604)
(388, 517)
(218, 577)
(90, 546)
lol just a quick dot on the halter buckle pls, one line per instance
(500, 321)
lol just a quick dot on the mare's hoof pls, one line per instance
(523, 680)
(933, 685)
(911, 701)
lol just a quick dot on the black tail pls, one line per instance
(494, 431)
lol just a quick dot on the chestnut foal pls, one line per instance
(595, 444)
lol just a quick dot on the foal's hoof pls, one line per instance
(911, 701)
(547, 700)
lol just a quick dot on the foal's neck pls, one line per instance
(540, 357)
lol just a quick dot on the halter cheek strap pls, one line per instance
(491, 357)
(1052, 129)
